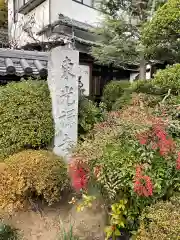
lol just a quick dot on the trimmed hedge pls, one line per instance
(25, 117)
(32, 173)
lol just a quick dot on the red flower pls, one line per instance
(143, 138)
(143, 141)
(158, 139)
(142, 185)
(79, 178)
(178, 162)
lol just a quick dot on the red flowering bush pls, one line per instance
(129, 156)
(78, 173)
(157, 138)
(178, 162)
(142, 184)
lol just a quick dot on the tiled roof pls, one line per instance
(72, 22)
(67, 21)
(23, 63)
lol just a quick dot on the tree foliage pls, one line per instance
(121, 31)
(161, 35)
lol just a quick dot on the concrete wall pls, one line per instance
(74, 10)
(35, 21)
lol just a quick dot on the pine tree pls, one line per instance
(121, 32)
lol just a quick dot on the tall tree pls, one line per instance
(161, 36)
(121, 32)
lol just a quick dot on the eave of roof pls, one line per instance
(23, 63)
(67, 22)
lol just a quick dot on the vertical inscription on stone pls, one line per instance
(63, 85)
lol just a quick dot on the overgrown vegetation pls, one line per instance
(134, 157)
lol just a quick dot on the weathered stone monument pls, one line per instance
(63, 84)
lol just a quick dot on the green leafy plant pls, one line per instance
(139, 164)
(25, 117)
(30, 174)
(7, 232)
(89, 115)
(117, 219)
(113, 91)
(168, 79)
(123, 101)
(86, 202)
(147, 87)
(66, 234)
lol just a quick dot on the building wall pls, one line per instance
(74, 10)
(34, 21)
(44, 14)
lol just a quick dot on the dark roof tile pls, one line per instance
(23, 63)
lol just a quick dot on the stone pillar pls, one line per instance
(63, 84)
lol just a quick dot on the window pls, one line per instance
(89, 3)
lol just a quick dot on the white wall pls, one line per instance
(36, 20)
(148, 74)
(47, 13)
(73, 10)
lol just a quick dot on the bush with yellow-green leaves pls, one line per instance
(161, 221)
(32, 173)
(25, 117)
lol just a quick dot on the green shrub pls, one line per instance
(147, 87)
(118, 165)
(89, 114)
(7, 232)
(170, 109)
(121, 102)
(168, 78)
(112, 91)
(160, 221)
(113, 153)
(25, 117)
(32, 173)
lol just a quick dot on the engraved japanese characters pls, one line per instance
(63, 85)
